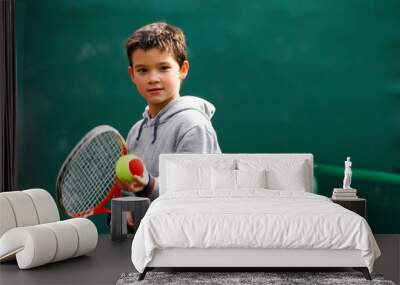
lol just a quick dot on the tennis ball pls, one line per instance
(127, 166)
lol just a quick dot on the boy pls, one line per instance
(171, 124)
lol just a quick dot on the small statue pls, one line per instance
(347, 174)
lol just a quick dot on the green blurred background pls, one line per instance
(312, 76)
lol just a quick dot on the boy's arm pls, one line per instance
(150, 190)
(199, 139)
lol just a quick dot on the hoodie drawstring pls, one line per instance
(206, 111)
(141, 128)
(156, 123)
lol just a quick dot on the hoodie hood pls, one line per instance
(173, 108)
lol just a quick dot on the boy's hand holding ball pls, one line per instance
(131, 173)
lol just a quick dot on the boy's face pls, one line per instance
(157, 76)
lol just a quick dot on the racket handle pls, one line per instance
(116, 191)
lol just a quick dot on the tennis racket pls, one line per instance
(86, 181)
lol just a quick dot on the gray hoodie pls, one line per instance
(182, 126)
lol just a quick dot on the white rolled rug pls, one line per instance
(31, 231)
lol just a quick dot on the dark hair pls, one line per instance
(158, 35)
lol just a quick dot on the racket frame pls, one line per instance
(114, 192)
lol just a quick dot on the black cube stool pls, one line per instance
(119, 207)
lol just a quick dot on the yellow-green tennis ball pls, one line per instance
(127, 166)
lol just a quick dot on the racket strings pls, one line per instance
(103, 174)
(91, 173)
(98, 177)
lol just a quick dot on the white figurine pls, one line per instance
(347, 174)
